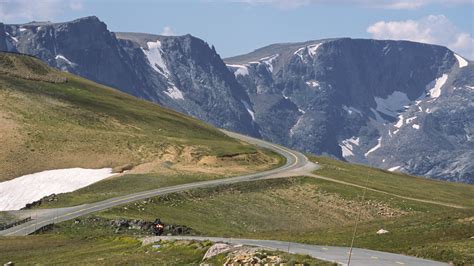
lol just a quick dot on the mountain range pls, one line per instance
(397, 105)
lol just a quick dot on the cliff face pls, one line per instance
(183, 73)
(396, 105)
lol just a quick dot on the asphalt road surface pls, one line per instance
(362, 257)
(296, 164)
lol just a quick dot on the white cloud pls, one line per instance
(19, 11)
(434, 29)
(167, 31)
(76, 5)
(389, 4)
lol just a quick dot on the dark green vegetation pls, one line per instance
(55, 120)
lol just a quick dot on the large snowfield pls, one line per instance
(16, 193)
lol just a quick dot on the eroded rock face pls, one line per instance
(397, 105)
(181, 72)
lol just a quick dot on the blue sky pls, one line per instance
(240, 26)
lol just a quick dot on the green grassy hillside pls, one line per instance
(50, 119)
(312, 210)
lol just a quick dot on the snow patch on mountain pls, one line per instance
(12, 37)
(394, 103)
(239, 70)
(249, 109)
(174, 93)
(435, 86)
(376, 147)
(154, 55)
(63, 58)
(295, 126)
(409, 120)
(268, 61)
(415, 126)
(299, 52)
(16, 193)
(393, 169)
(399, 123)
(350, 110)
(312, 83)
(347, 146)
(461, 61)
(312, 49)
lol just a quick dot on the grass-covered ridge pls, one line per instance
(312, 210)
(52, 119)
(397, 183)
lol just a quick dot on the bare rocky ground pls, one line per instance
(242, 255)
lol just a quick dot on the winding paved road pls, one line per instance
(360, 257)
(296, 164)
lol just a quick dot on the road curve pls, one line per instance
(360, 257)
(296, 163)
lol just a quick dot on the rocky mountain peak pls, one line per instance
(398, 105)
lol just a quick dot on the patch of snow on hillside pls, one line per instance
(399, 123)
(22, 29)
(16, 193)
(295, 126)
(376, 147)
(63, 58)
(299, 52)
(461, 61)
(435, 86)
(469, 87)
(312, 83)
(12, 37)
(409, 120)
(239, 70)
(312, 49)
(155, 58)
(249, 109)
(347, 148)
(393, 169)
(174, 93)
(268, 61)
(392, 104)
(415, 126)
(350, 110)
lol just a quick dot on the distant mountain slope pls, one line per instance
(51, 119)
(397, 105)
(183, 72)
(340, 97)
